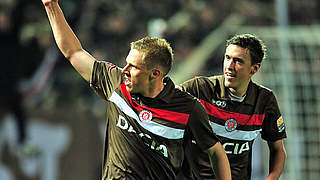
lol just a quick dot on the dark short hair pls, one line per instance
(156, 51)
(255, 45)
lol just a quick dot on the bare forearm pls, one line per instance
(277, 159)
(219, 162)
(276, 164)
(66, 40)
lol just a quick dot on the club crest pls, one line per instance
(230, 125)
(145, 115)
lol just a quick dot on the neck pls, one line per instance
(154, 89)
(240, 91)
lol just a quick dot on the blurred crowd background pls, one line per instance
(51, 123)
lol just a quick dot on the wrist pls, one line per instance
(272, 177)
(49, 2)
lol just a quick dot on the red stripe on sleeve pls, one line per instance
(176, 117)
(242, 119)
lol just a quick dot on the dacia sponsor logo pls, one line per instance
(218, 103)
(124, 125)
(236, 148)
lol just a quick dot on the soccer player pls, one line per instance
(239, 110)
(149, 122)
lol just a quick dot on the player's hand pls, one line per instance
(47, 2)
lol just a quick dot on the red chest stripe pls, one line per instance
(242, 119)
(176, 117)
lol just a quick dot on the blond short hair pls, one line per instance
(157, 52)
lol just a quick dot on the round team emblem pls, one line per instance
(145, 115)
(230, 125)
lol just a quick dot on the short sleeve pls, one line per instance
(105, 78)
(191, 87)
(273, 127)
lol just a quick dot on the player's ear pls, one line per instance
(155, 73)
(255, 68)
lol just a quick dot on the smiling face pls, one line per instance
(136, 73)
(237, 69)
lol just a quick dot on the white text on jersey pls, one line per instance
(123, 124)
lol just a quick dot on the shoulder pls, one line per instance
(180, 94)
(200, 81)
(262, 91)
(184, 98)
(105, 65)
(261, 88)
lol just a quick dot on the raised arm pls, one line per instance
(67, 41)
(219, 162)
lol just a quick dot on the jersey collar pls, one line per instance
(166, 94)
(223, 93)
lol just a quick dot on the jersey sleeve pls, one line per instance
(273, 127)
(200, 128)
(105, 78)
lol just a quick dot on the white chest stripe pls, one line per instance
(236, 134)
(158, 129)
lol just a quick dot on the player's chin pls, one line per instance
(129, 87)
(228, 83)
